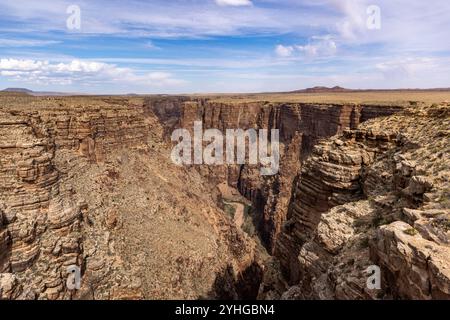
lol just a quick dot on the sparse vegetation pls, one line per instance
(443, 223)
(361, 223)
(411, 231)
(229, 209)
(444, 199)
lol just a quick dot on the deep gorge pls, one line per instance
(301, 127)
(273, 198)
(84, 180)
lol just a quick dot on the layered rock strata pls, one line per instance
(373, 196)
(301, 126)
(77, 177)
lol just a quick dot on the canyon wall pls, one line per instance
(167, 109)
(375, 196)
(301, 126)
(372, 196)
(42, 219)
(83, 180)
(81, 184)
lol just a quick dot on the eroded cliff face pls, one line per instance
(167, 109)
(41, 215)
(373, 196)
(89, 182)
(301, 127)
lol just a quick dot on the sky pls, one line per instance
(203, 46)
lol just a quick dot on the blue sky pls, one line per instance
(204, 46)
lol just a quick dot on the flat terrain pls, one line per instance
(367, 97)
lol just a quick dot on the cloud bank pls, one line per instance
(83, 72)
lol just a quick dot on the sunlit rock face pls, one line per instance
(373, 196)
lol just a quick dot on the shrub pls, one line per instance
(411, 231)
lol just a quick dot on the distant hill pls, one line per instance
(338, 89)
(35, 93)
(18, 90)
(319, 89)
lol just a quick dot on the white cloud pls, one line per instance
(234, 3)
(284, 51)
(354, 22)
(155, 19)
(346, 19)
(318, 47)
(82, 72)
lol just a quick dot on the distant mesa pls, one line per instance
(25, 91)
(338, 89)
(19, 90)
(16, 92)
(319, 89)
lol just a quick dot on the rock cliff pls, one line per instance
(340, 206)
(301, 126)
(377, 195)
(89, 182)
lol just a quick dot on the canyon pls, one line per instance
(301, 126)
(88, 181)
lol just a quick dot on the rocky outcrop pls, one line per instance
(9, 287)
(42, 221)
(372, 196)
(417, 268)
(320, 221)
(5, 244)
